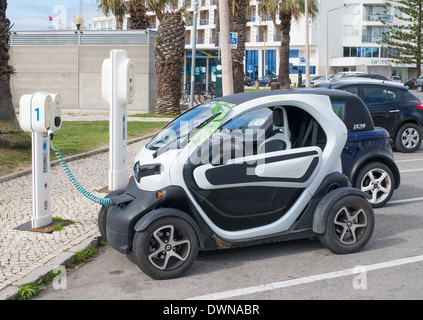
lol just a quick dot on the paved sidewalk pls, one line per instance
(26, 256)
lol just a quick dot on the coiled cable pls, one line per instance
(73, 180)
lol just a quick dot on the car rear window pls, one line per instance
(338, 107)
(407, 95)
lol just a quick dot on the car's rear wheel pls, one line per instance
(166, 249)
(349, 225)
(377, 180)
(419, 88)
(408, 138)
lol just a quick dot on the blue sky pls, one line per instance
(34, 15)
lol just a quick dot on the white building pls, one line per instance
(344, 33)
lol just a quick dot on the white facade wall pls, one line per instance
(338, 25)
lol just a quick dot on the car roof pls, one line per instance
(356, 110)
(361, 81)
(247, 96)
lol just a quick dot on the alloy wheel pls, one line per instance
(378, 184)
(168, 248)
(410, 138)
(350, 225)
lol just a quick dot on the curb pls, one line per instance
(10, 292)
(71, 158)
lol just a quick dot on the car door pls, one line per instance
(383, 104)
(252, 188)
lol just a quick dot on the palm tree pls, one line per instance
(138, 15)
(8, 120)
(238, 23)
(288, 10)
(114, 7)
(169, 55)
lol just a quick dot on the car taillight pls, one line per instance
(415, 83)
(420, 105)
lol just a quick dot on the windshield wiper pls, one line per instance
(202, 124)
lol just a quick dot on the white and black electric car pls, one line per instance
(235, 171)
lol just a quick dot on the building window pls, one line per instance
(362, 52)
(294, 53)
(351, 31)
(352, 9)
(270, 63)
(302, 69)
(251, 64)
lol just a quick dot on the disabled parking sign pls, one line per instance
(234, 40)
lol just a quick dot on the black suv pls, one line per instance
(392, 107)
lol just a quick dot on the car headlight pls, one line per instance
(141, 171)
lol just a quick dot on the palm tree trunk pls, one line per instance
(238, 23)
(284, 50)
(138, 15)
(169, 54)
(8, 120)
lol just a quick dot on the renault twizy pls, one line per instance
(244, 169)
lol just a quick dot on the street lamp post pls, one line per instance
(194, 54)
(307, 47)
(327, 38)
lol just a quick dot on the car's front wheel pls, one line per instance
(349, 225)
(102, 220)
(166, 249)
(377, 180)
(408, 138)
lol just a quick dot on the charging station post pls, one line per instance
(118, 90)
(39, 113)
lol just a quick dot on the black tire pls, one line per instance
(378, 181)
(419, 88)
(102, 221)
(161, 257)
(349, 225)
(408, 138)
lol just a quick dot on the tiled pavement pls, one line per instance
(26, 256)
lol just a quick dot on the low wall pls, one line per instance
(69, 63)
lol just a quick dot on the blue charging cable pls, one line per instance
(71, 177)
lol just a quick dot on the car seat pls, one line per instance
(279, 139)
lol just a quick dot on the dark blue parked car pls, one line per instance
(392, 107)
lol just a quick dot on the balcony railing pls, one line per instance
(379, 17)
(261, 38)
(373, 39)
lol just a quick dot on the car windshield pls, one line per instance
(339, 75)
(187, 127)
